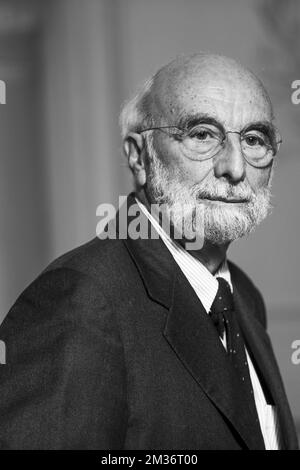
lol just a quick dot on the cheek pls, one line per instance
(181, 166)
(258, 178)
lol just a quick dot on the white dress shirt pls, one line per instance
(206, 286)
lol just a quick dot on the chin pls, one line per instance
(216, 237)
(224, 225)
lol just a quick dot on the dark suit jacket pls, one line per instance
(110, 348)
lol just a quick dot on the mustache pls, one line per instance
(223, 190)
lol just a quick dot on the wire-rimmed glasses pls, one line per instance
(259, 142)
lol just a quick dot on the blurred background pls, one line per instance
(68, 66)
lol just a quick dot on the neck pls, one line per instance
(144, 198)
(211, 256)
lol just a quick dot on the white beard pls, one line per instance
(218, 223)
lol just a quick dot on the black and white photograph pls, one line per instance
(150, 221)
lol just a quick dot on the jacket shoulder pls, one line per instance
(91, 258)
(72, 287)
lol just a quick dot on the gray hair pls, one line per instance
(136, 112)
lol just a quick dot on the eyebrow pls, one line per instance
(264, 126)
(188, 122)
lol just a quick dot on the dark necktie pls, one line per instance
(224, 318)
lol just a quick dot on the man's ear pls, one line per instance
(134, 149)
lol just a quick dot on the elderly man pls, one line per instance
(140, 343)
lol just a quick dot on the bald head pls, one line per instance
(186, 82)
(189, 83)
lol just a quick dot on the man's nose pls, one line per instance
(230, 162)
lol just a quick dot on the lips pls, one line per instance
(226, 200)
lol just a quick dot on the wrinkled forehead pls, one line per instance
(234, 101)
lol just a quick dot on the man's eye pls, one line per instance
(202, 135)
(254, 141)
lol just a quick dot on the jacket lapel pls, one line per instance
(259, 347)
(153, 261)
(194, 339)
